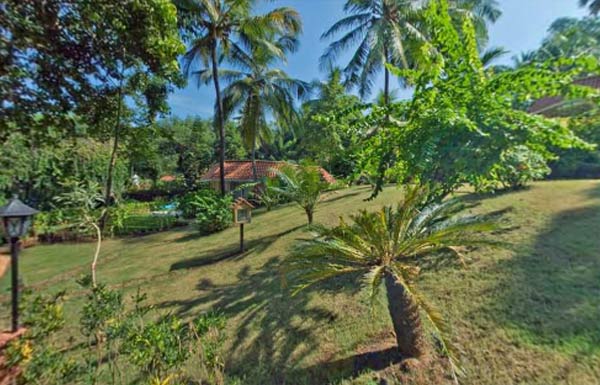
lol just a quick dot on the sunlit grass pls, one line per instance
(528, 315)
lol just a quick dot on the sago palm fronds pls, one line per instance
(390, 247)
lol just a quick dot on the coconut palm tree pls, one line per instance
(389, 31)
(382, 31)
(257, 90)
(594, 5)
(390, 247)
(214, 27)
(481, 12)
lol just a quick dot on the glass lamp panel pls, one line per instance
(26, 223)
(13, 226)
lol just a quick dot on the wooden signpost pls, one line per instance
(242, 213)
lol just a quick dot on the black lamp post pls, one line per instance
(16, 220)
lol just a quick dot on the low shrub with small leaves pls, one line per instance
(121, 343)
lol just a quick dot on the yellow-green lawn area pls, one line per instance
(525, 315)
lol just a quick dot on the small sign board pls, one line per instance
(242, 211)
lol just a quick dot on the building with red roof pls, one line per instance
(557, 106)
(238, 172)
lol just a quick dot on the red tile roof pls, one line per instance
(167, 178)
(241, 170)
(541, 105)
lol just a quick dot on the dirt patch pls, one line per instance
(4, 263)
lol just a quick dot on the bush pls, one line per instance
(192, 202)
(131, 335)
(520, 165)
(213, 212)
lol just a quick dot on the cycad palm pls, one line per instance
(257, 89)
(389, 247)
(215, 27)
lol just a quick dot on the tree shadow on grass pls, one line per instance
(231, 251)
(274, 331)
(551, 295)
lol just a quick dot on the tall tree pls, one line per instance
(383, 30)
(327, 133)
(69, 62)
(258, 89)
(571, 37)
(214, 27)
(389, 31)
(462, 112)
(594, 5)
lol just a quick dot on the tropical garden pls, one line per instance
(445, 238)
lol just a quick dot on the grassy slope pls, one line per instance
(526, 316)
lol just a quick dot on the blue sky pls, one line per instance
(521, 27)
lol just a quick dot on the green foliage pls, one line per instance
(34, 353)
(213, 212)
(82, 201)
(328, 133)
(38, 173)
(153, 349)
(100, 311)
(399, 242)
(462, 118)
(157, 347)
(191, 203)
(569, 38)
(264, 192)
(78, 74)
(519, 166)
(580, 163)
(302, 184)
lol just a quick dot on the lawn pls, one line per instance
(528, 315)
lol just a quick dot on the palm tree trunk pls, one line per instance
(253, 154)
(405, 318)
(309, 215)
(386, 88)
(220, 118)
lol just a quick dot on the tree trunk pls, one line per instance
(253, 154)
(220, 117)
(113, 158)
(406, 319)
(309, 215)
(97, 253)
(386, 87)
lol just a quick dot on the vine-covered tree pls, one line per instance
(462, 118)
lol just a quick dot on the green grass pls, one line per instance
(528, 315)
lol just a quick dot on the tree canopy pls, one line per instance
(462, 118)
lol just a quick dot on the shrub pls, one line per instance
(154, 348)
(213, 212)
(519, 166)
(192, 202)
